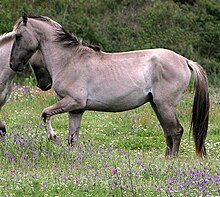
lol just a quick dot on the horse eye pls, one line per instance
(18, 36)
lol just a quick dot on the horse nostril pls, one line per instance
(17, 66)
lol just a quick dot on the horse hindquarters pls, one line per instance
(169, 84)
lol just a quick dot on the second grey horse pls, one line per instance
(44, 81)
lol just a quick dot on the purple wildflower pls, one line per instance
(114, 170)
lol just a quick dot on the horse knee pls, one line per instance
(180, 131)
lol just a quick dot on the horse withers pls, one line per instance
(86, 78)
(44, 81)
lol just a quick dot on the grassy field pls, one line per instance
(119, 154)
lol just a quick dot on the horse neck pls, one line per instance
(5, 38)
(6, 74)
(45, 34)
(55, 57)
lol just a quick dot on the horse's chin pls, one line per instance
(20, 69)
(44, 88)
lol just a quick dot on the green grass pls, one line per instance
(119, 154)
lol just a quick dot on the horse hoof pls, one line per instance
(72, 142)
(52, 137)
(2, 132)
(44, 117)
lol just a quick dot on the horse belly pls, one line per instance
(117, 103)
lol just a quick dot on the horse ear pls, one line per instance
(25, 18)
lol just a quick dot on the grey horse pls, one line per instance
(86, 78)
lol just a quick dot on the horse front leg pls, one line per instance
(67, 104)
(2, 129)
(51, 134)
(74, 127)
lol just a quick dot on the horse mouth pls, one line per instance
(44, 88)
(19, 67)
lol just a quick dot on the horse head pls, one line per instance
(24, 49)
(24, 46)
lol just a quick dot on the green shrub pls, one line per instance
(193, 31)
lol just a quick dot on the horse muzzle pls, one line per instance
(18, 67)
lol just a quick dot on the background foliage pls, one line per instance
(122, 25)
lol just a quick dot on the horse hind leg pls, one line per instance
(74, 127)
(173, 131)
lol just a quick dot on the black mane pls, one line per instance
(70, 40)
(64, 37)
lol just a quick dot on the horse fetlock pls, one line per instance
(72, 140)
(171, 153)
(168, 151)
(45, 116)
(52, 136)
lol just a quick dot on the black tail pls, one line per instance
(200, 110)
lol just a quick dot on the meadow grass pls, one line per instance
(119, 154)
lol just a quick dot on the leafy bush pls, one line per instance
(191, 30)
